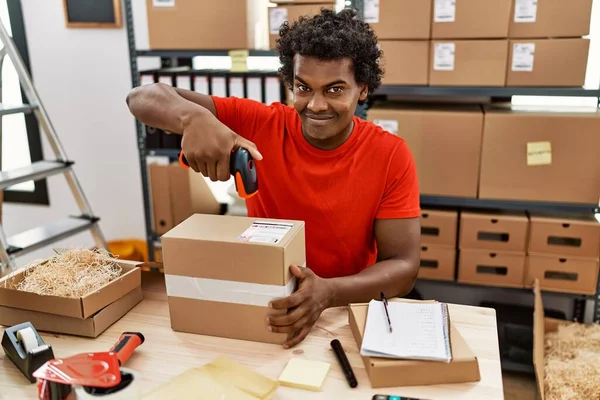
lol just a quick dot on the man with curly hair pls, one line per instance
(354, 184)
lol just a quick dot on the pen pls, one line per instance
(341, 356)
(385, 306)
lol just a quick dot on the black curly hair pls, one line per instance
(331, 36)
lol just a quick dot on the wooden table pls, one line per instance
(167, 353)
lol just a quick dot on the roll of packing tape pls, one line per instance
(129, 389)
(28, 339)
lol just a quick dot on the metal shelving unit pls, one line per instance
(500, 93)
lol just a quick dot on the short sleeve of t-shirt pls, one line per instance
(401, 196)
(243, 116)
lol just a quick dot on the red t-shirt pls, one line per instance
(337, 193)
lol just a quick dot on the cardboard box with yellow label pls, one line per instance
(547, 154)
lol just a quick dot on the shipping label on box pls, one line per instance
(525, 11)
(444, 11)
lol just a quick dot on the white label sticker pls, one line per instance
(265, 232)
(444, 57)
(523, 55)
(525, 10)
(445, 11)
(277, 16)
(539, 153)
(389, 125)
(163, 3)
(371, 11)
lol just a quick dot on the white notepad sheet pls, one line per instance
(419, 331)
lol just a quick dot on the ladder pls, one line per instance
(25, 242)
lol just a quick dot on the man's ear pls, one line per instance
(364, 91)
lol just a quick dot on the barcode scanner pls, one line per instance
(243, 169)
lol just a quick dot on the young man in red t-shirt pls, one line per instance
(354, 184)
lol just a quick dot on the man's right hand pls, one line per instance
(208, 148)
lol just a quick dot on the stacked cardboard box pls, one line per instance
(445, 141)
(548, 155)
(492, 248)
(176, 194)
(547, 47)
(563, 253)
(438, 244)
(290, 11)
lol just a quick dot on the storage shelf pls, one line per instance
(460, 202)
(199, 52)
(7, 109)
(478, 91)
(506, 289)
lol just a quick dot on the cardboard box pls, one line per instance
(541, 326)
(177, 193)
(386, 372)
(288, 2)
(502, 231)
(82, 307)
(562, 274)
(444, 140)
(405, 62)
(292, 12)
(191, 24)
(438, 262)
(550, 18)
(220, 265)
(548, 62)
(399, 19)
(468, 63)
(545, 155)
(481, 267)
(579, 237)
(439, 227)
(470, 19)
(91, 327)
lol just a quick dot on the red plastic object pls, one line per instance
(87, 369)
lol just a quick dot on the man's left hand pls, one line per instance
(304, 306)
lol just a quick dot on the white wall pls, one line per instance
(83, 77)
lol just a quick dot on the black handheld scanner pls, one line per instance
(243, 169)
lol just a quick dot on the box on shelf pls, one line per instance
(386, 372)
(445, 141)
(548, 62)
(498, 231)
(177, 193)
(191, 24)
(438, 262)
(399, 19)
(571, 236)
(439, 227)
(88, 316)
(291, 12)
(468, 62)
(221, 265)
(490, 268)
(470, 19)
(550, 18)
(405, 62)
(563, 274)
(547, 154)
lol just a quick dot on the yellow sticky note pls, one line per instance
(539, 153)
(239, 60)
(304, 374)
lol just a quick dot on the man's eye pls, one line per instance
(302, 88)
(336, 89)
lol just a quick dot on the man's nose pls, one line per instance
(317, 103)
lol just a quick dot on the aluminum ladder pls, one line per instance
(25, 242)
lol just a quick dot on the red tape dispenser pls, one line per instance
(92, 375)
(242, 167)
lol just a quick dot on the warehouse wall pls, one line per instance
(82, 76)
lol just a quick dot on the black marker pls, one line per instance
(341, 356)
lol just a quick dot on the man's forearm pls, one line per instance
(160, 106)
(394, 277)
